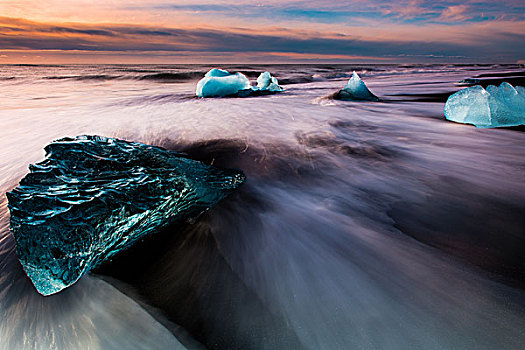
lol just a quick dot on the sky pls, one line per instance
(242, 31)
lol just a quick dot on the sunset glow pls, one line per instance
(270, 31)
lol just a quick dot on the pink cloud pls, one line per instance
(454, 14)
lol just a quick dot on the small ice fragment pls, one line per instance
(266, 82)
(356, 89)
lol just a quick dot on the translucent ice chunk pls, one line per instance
(216, 72)
(356, 89)
(494, 107)
(93, 197)
(266, 82)
(469, 106)
(220, 83)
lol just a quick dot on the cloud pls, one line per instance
(243, 12)
(454, 13)
(33, 36)
(492, 40)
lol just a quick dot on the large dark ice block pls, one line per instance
(92, 197)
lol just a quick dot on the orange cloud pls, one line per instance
(496, 40)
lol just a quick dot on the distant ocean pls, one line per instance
(362, 225)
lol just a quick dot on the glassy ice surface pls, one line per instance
(93, 197)
(497, 106)
(220, 83)
(266, 82)
(356, 89)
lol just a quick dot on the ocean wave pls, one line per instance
(154, 76)
(84, 77)
(501, 74)
(155, 99)
(137, 70)
(296, 80)
(172, 77)
(438, 97)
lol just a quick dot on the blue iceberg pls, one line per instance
(497, 106)
(93, 197)
(266, 82)
(221, 83)
(356, 89)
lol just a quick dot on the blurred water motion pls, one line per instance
(361, 225)
(93, 315)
